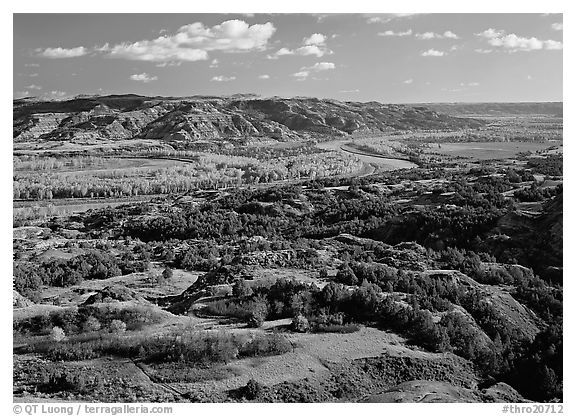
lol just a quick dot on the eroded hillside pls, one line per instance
(198, 119)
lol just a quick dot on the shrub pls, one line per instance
(72, 351)
(258, 312)
(57, 334)
(117, 326)
(346, 275)
(167, 273)
(91, 324)
(271, 344)
(226, 307)
(241, 289)
(300, 324)
(76, 379)
(60, 381)
(252, 390)
(339, 329)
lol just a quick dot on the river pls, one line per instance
(381, 162)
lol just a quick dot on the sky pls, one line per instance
(390, 58)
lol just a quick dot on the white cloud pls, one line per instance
(168, 63)
(322, 66)
(399, 15)
(515, 43)
(314, 45)
(450, 35)
(433, 52)
(408, 81)
(392, 33)
(432, 35)
(21, 94)
(377, 19)
(422, 36)
(55, 94)
(264, 76)
(385, 18)
(349, 91)
(284, 51)
(490, 33)
(469, 84)
(193, 42)
(156, 52)
(557, 26)
(483, 50)
(552, 45)
(214, 63)
(305, 71)
(33, 75)
(311, 50)
(301, 74)
(222, 78)
(143, 77)
(426, 35)
(315, 39)
(103, 48)
(307, 50)
(34, 87)
(31, 65)
(60, 53)
(529, 77)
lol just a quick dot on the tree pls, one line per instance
(300, 324)
(91, 325)
(252, 389)
(346, 275)
(57, 334)
(241, 289)
(258, 313)
(167, 273)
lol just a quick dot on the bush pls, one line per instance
(167, 273)
(91, 324)
(60, 381)
(57, 334)
(346, 275)
(272, 344)
(300, 324)
(337, 328)
(241, 289)
(117, 326)
(252, 390)
(225, 307)
(258, 313)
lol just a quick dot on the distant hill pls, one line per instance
(498, 109)
(209, 118)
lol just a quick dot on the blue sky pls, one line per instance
(401, 58)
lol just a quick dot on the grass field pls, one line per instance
(488, 150)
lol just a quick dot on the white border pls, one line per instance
(297, 6)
